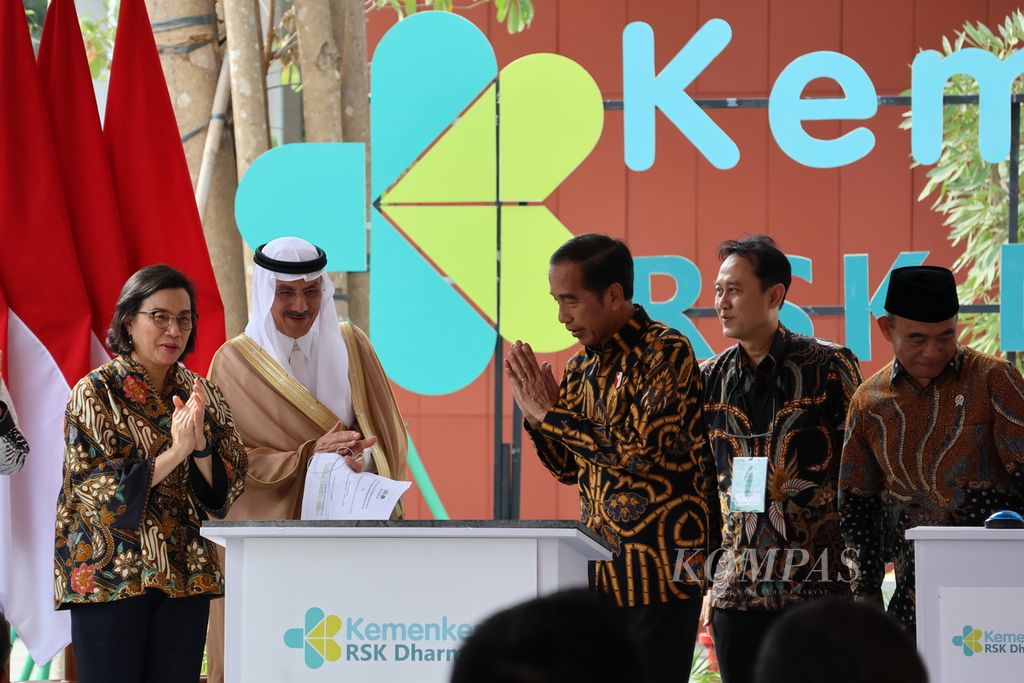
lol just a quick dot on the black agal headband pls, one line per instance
(290, 267)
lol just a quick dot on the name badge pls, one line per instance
(749, 483)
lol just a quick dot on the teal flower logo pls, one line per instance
(969, 640)
(316, 638)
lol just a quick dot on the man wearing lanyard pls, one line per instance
(774, 407)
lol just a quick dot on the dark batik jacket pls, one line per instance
(949, 454)
(791, 409)
(627, 430)
(117, 535)
(13, 448)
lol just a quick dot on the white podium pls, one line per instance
(381, 601)
(970, 603)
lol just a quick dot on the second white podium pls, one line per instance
(970, 603)
(381, 601)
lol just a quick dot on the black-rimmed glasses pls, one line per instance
(162, 319)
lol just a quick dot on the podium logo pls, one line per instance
(969, 640)
(316, 638)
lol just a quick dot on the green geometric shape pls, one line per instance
(332, 624)
(460, 167)
(318, 631)
(529, 235)
(461, 241)
(332, 651)
(552, 115)
(318, 644)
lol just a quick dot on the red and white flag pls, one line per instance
(48, 341)
(154, 191)
(82, 163)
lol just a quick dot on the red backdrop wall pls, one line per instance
(683, 205)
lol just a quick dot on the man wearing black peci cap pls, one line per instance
(935, 438)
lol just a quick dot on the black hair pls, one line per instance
(141, 285)
(604, 261)
(770, 265)
(838, 640)
(547, 640)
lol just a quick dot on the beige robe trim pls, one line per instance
(374, 402)
(284, 384)
(360, 401)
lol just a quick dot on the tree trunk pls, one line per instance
(248, 81)
(350, 33)
(186, 34)
(248, 91)
(320, 63)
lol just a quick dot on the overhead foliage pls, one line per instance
(974, 195)
(515, 14)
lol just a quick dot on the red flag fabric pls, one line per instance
(154, 191)
(48, 339)
(82, 162)
(3, 338)
(38, 269)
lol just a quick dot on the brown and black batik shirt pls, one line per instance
(627, 429)
(949, 454)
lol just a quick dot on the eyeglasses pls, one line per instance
(163, 319)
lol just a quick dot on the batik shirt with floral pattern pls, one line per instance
(627, 430)
(790, 409)
(116, 534)
(948, 454)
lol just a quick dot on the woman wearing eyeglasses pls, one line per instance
(150, 452)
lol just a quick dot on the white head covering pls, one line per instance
(328, 356)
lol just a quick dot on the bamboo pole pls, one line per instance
(214, 131)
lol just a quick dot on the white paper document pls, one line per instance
(334, 491)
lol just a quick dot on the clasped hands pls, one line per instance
(187, 421)
(340, 440)
(534, 386)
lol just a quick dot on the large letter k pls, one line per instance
(644, 93)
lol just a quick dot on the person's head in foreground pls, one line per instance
(591, 279)
(568, 636)
(840, 641)
(921, 313)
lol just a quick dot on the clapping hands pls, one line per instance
(188, 420)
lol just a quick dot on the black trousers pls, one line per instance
(667, 635)
(148, 639)
(738, 636)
